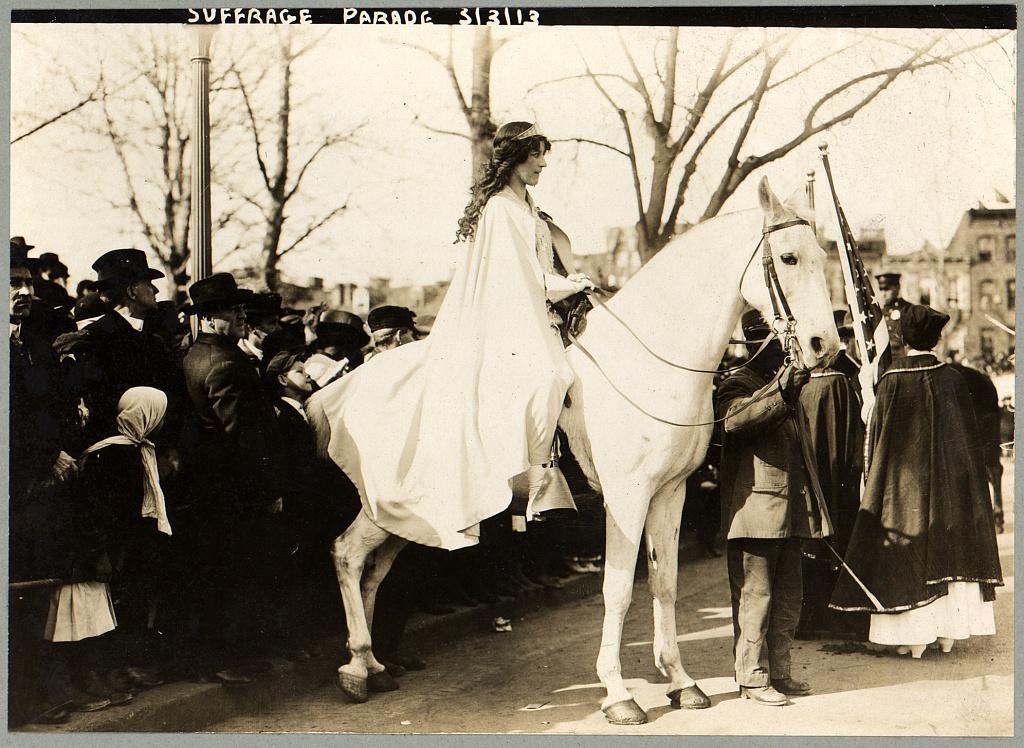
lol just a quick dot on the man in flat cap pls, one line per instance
(391, 326)
(893, 307)
(768, 506)
(233, 476)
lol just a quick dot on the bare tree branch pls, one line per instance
(416, 120)
(592, 142)
(313, 228)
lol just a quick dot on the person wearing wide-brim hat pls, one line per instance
(340, 334)
(236, 480)
(262, 317)
(121, 353)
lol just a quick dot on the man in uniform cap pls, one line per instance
(767, 508)
(235, 482)
(894, 307)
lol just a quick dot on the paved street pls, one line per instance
(486, 681)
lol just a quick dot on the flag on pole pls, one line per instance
(869, 326)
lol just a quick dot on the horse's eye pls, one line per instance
(789, 259)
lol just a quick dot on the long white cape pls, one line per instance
(431, 432)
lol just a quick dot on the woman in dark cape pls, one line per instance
(924, 543)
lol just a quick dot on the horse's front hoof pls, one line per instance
(690, 697)
(626, 712)
(353, 687)
(381, 682)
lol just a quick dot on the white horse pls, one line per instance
(684, 305)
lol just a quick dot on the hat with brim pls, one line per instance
(341, 328)
(19, 241)
(289, 339)
(19, 257)
(214, 294)
(123, 267)
(390, 317)
(921, 326)
(264, 304)
(50, 261)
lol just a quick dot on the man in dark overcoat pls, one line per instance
(767, 507)
(233, 480)
(115, 353)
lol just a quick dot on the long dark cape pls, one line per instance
(926, 516)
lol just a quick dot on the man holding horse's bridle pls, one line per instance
(767, 507)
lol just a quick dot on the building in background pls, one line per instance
(973, 279)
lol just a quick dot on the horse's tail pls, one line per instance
(321, 426)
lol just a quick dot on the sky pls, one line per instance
(913, 161)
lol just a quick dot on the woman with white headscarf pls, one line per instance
(120, 519)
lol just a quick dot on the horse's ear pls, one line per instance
(769, 203)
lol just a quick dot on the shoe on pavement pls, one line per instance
(57, 715)
(763, 695)
(84, 702)
(791, 686)
(144, 677)
(232, 677)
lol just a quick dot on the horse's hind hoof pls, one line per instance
(381, 682)
(353, 687)
(625, 713)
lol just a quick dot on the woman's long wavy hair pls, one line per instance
(508, 153)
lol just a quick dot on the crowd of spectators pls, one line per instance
(171, 518)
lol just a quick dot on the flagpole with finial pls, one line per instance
(859, 320)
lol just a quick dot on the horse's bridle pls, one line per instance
(783, 322)
(780, 307)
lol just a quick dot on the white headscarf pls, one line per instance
(140, 411)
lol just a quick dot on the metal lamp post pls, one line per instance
(202, 261)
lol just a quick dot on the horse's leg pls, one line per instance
(662, 533)
(621, 546)
(350, 552)
(378, 567)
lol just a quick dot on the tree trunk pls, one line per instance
(481, 126)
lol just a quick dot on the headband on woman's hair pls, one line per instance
(529, 132)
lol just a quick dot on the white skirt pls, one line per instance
(960, 614)
(80, 611)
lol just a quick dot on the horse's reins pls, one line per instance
(779, 306)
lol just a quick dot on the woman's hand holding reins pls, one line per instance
(582, 282)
